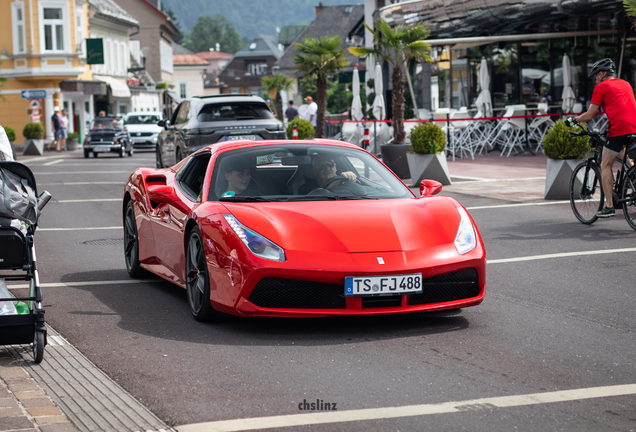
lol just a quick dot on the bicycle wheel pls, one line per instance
(629, 194)
(586, 192)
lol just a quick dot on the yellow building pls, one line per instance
(41, 47)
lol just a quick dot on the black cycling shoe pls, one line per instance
(606, 212)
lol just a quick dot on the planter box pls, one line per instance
(557, 178)
(71, 144)
(394, 156)
(34, 147)
(428, 166)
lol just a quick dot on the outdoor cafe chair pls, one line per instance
(539, 126)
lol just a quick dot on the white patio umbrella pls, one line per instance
(484, 101)
(378, 104)
(356, 104)
(569, 98)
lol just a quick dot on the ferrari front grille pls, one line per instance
(297, 294)
(459, 285)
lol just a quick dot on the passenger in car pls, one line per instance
(238, 179)
(324, 168)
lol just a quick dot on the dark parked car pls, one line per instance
(108, 135)
(205, 120)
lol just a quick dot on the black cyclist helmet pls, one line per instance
(603, 65)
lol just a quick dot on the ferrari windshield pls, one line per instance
(107, 123)
(299, 172)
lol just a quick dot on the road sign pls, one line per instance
(33, 94)
(35, 117)
(34, 104)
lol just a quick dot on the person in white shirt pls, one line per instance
(6, 154)
(311, 112)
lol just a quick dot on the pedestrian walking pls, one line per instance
(311, 111)
(55, 122)
(61, 144)
(291, 112)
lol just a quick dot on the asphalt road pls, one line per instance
(546, 325)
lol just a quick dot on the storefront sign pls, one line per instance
(95, 51)
(33, 94)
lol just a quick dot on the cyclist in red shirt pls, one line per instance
(616, 97)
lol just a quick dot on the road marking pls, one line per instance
(517, 205)
(80, 229)
(81, 183)
(53, 162)
(89, 283)
(87, 200)
(78, 172)
(410, 410)
(560, 255)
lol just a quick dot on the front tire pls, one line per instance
(131, 243)
(38, 346)
(86, 154)
(198, 280)
(629, 194)
(586, 192)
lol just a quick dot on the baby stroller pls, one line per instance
(21, 318)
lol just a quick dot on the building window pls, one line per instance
(17, 10)
(235, 90)
(115, 58)
(183, 90)
(80, 31)
(107, 62)
(53, 24)
(256, 69)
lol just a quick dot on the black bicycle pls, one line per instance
(586, 192)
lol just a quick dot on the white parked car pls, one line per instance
(143, 129)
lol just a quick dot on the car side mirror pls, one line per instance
(166, 195)
(430, 188)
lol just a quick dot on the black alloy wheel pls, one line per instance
(86, 154)
(198, 281)
(131, 243)
(586, 192)
(629, 196)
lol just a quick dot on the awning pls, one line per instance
(118, 86)
(174, 96)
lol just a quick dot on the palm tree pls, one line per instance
(274, 85)
(320, 58)
(397, 45)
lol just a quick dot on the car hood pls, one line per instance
(144, 128)
(353, 226)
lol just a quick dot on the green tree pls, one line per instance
(179, 37)
(208, 31)
(274, 85)
(320, 57)
(397, 45)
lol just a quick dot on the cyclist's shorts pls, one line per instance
(616, 144)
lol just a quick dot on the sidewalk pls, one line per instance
(66, 392)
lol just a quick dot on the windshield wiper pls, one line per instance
(313, 198)
(247, 199)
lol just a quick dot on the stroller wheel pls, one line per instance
(38, 346)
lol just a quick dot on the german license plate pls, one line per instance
(383, 285)
(241, 137)
(101, 149)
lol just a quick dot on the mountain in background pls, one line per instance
(250, 17)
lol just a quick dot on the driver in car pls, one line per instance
(324, 168)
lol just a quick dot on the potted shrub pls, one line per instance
(71, 141)
(564, 153)
(11, 137)
(305, 129)
(427, 159)
(34, 144)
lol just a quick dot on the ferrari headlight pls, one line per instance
(256, 243)
(465, 240)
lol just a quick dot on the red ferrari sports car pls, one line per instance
(300, 229)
